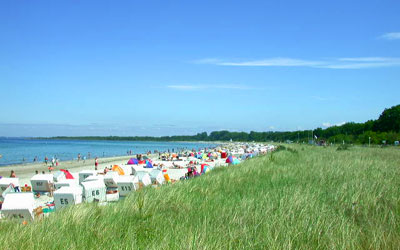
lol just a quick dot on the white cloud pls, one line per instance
(278, 62)
(365, 59)
(328, 124)
(358, 65)
(217, 86)
(339, 63)
(363, 62)
(340, 123)
(391, 36)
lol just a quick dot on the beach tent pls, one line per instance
(142, 162)
(202, 167)
(110, 179)
(118, 169)
(66, 183)
(67, 174)
(224, 155)
(42, 182)
(127, 184)
(132, 161)
(94, 190)
(85, 174)
(206, 169)
(157, 177)
(18, 206)
(6, 182)
(148, 164)
(58, 176)
(66, 196)
(145, 157)
(127, 169)
(229, 159)
(235, 161)
(144, 178)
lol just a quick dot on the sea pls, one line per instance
(25, 150)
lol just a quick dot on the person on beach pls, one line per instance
(96, 163)
(105, 170)
(46, 159)
(13, 175)
(79, 156)
(36, 172)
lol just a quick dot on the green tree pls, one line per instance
(389, 120)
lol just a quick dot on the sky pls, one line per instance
(133, 68)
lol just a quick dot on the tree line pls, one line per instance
(385, 129)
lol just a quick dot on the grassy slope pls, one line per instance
(316, 198)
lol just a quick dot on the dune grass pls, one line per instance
(303, 198)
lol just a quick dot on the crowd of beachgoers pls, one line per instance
(37, 194)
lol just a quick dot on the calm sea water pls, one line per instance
(17, 150)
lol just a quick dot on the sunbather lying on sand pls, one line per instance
(176, 166)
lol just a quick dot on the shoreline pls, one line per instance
(25, 171)
(107, 149)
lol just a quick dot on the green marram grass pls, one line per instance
(303, 198)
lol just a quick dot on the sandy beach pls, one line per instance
(25, 171)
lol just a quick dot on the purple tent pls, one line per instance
(133, 161)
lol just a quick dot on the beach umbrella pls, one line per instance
(145, 157)
(68, 175)
(133, 161)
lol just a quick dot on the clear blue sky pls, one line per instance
(169, 67)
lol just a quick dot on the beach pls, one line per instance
(26, 171)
